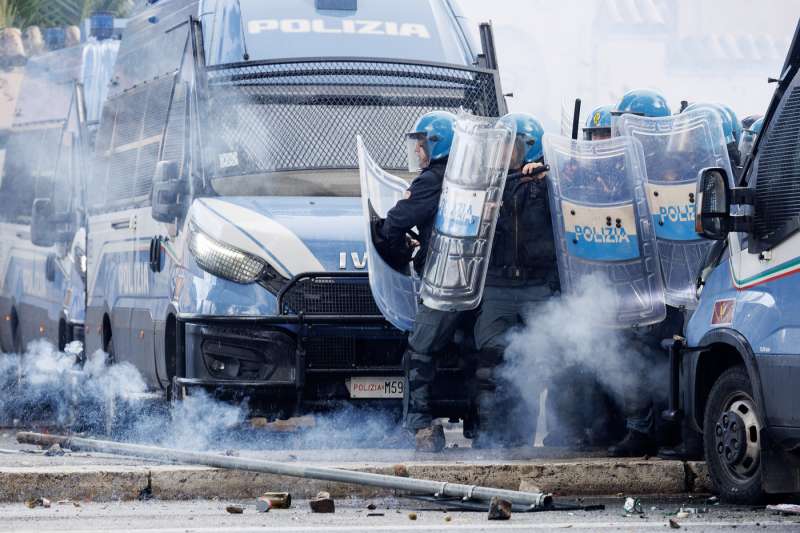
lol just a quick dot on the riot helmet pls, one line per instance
(643, 102)
(528, 140)
(598, 124)
(749, 120)
(749, 137)
(430, 140)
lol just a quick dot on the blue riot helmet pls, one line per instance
(643, 102)
(430, 139)
(749, 137)
(749, 120)
(528, 141)
(736, 125)
(727, 127)
(598, 124)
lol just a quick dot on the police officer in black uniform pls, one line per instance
(522, 272)
(429, 147)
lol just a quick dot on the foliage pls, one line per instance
(50, 13)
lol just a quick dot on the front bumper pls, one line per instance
(327, 331)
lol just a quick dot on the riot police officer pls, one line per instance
(639, 402)
(580, 412)
(522, 272)
(731, 129)
(598, 124)
(428, 149)
(749, 137)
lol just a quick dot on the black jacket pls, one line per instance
(524, 250)
(418, 210)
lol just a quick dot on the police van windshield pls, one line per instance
(300, 119)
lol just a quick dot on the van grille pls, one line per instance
(325, 294)
(352, 352)
(777, 208)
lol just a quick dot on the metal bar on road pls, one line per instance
(418, 486)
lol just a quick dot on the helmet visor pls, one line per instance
(417, 151)
(522, 147)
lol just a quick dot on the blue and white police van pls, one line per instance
(736, 375)
(225, 239)
(42, 194)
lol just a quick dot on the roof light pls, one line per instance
(337, 5)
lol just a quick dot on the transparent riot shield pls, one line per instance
(603, 232)
(461, 240)
(676, 149)
(395, 291)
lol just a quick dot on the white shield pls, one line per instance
(472, 191)
(676, 149)
(602, 225)
(395, 292)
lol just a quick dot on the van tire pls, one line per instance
(730, 419)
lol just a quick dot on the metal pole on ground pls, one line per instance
(418, 486)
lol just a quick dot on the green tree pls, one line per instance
(19, 13)
(49, 13)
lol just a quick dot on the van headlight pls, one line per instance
(224, 261)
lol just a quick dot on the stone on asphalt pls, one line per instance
(235, 509)
(499, 509)
(673, 524)
(400, 470)
(279, 500)
(323, 503)
(37, 502)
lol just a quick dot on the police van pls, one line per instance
(42, 223)
(225, 235)
(737, 373)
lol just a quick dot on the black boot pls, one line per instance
(689, 449)
(634, 444)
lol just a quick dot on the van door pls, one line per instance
(766, 263)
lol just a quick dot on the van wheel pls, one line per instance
(732, 438)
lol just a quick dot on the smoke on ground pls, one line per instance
(48, 388)
(567, 348)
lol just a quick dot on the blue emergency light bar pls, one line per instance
(337, 5)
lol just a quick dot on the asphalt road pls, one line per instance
(353, 516)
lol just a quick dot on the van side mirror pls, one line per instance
(166, 192)
(42, 223)
(713, 219)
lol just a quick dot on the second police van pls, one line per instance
(42, 195)
(736, 375)
(225, 239)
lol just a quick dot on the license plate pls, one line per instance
(369, 387)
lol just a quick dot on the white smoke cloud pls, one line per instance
(553, 50)
(566, 334)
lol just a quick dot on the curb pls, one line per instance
(574, 478)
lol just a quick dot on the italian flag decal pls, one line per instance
(776, 272)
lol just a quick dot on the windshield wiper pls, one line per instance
(246, 55)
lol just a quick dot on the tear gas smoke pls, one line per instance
(50, 388)
(564, 345)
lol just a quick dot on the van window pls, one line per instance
(134, 124)
(28, 171)
(777, 171)
(304, 117)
